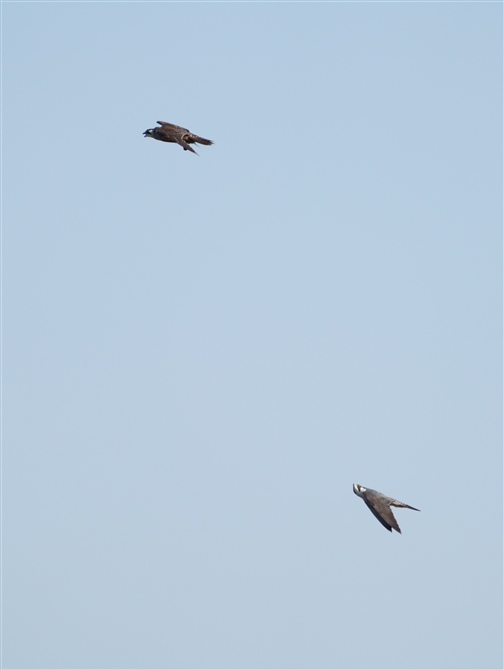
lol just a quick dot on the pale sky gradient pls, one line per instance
(203, 353)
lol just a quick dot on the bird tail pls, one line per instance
(396, 503)
(201, 140)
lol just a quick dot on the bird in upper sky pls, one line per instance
(168, 132)
(380, 505)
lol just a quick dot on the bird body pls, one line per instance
(168, 132)
(380, 505)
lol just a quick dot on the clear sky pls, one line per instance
(203, 353)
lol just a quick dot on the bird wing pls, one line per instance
(184, 144)
(172, 127)
(384, 516)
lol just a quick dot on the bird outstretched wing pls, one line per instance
(183, 143)
(173, 127)
(384, 515)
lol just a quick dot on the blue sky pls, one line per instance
(203, 353)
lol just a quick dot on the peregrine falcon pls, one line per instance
(380, 505)
(170, 133)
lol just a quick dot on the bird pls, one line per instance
(380, 505)
(168, 132)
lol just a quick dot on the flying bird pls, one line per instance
(380, 505)
(171, 133)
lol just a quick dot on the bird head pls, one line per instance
(358, 490)
(148, 133)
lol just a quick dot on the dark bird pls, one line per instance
(171, 133)
(380, 505)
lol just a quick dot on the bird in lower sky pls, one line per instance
(168, 132)
(380, 505)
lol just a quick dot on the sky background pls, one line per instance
(203, 353)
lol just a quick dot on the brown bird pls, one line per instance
(171, 133)
(380, 505)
